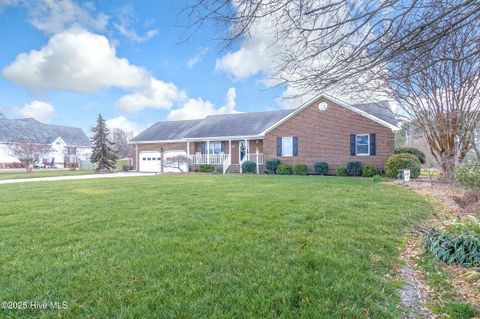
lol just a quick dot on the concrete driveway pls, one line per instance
(73, 177)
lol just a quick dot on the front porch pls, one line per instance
(226, 153)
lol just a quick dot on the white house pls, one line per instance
(69, 144)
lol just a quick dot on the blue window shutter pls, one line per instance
(295, 146)
(204, 146)
(352, 145)
(279, 146)
(373, 144)
(222, 147)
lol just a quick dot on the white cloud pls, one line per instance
(255, 55)
(39, 110)
(157, 94)
(75, 60)
(7, 3)
(81, 61)
(199, 55)
(199, 108)
(126, 19)
(123, 123)
(53, 16)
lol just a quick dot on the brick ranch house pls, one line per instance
(323, 129)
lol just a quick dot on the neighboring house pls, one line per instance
(69, 144)
(323, 129)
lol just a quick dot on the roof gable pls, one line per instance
(38, 132)
(367, 107)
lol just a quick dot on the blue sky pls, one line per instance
(64, 62)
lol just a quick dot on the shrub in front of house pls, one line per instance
(467, 175)
(249, 167)
(320, 168)
(412, 150)
(284, 169)
(370, 171)
(271, 166)
(206, 168)
(396, 163)
(354, 168)
(377, 178)
(341, 171)
(301, 169)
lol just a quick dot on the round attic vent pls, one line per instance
(322, 106)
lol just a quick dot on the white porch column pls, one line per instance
(137, 159)
(256, 161)
(230, 150)
(188, 148)
(246, 149)
(208, 152)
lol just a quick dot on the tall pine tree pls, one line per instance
(103, 153)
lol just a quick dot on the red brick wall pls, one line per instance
(325, 136)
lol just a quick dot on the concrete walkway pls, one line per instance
(73, 177)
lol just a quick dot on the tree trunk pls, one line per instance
(447, 163)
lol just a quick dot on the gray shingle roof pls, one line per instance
(380, 110)
(238, 124)
(12, 130)
(170, 130)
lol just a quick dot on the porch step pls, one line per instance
(233, 168)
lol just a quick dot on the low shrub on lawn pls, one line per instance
(450, 247)
(412, 150)
(377, 178)
(271, 166)
(321, 168)
(398, 162)
(206, 168)
(354, 168)
(284, 169)
(341, 171)
(301, 169)
(370, 171)
(249, 167)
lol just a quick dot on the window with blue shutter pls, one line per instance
(295, 146)
(353, 151)
(373, 144)
(279, 146)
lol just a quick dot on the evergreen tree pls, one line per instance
(103, 153)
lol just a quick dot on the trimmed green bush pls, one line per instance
(397, 162)
(321, 168)
(461, 249)
(301, 169)
(370, 171)
(354, 168)
(412, 150)
(249, 167)
(284, 169)
(377, 178)
(206, 168)
(341, 171)
(467, 175)
(271, 166)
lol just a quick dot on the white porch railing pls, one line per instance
(214, 159)
(254, 157)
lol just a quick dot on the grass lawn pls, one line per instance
(212, 246)
(17, 174)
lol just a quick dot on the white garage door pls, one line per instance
(149, 161)
(172, 166)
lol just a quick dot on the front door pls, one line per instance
(242, 151)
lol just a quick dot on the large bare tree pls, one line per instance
(28, 152)
(346, 44)
(442, 98)
(121, 139)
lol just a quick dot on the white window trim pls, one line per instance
(283, 149)
(368, 145)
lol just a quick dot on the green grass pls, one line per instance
(448, 303)
(17, 174)
(205, 246)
